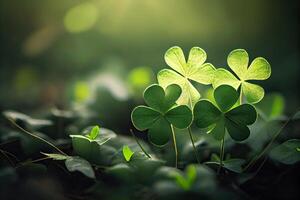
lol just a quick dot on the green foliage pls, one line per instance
(127, 153)
(74, 163)
(186, 180)
(94, 133)
(78, 164)
(55, 156)
(234, 120)
(90, 145)
(238, 61)
(232, 164)
(287, 152)
(194, 69)
(161, 113)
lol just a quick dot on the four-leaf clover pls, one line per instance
(223, 116)
(194, 69)
(161, 113)
(238, 61)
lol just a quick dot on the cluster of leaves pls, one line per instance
(170, 106)
(115, 162)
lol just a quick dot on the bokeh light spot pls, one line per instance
(81, 18)
(82, 91)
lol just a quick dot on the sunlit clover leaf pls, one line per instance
(224, 117)
(194, 69)
(161, 113)
(127, 153)
(238, 61)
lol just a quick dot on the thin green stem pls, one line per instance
(35, 136)
(221, 155)
(175, 146)
(137, 141)
(267, 148)
(193, 143)
(241, 95)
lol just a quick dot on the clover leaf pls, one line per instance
(93, 133)
(161, 113)
(238, 61)
(223, 116)
(127, 153)
(194, 69)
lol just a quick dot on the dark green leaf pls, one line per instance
(154, 96)
(225, 96)
(218, 131)
(160, 132)
(205, 114)
(237, 131)
(287, 152)
(144, 117)
(180, 116)
(243, 114)
(81, 165)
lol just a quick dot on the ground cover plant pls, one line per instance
(227, 142)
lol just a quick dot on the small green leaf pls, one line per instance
(144, 117)
(186, 180)
(94, 133)
(287, 152)
(180, 116)
(127, 153)
(55, 156)
(154, 96)
(243, 114)
(237, 131)
(238, 61)
(197, 56)
(174, 57)
(205, 114)
(225, 96)
(81, 165)
(218, 132)
(160, 132)
(224, 77)
(172, 93)
(259, 69)
(253, 93)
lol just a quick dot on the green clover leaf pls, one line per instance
(224, 117)
(194, 69)
(127, 152)
(238, 61)
(161, 113)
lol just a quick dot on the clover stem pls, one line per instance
(221, 155)
(35, 136)
(137, 141)
(193, 143)
(266, 149)
(241, 96)
(175, 146)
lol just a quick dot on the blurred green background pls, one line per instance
(55, 53)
